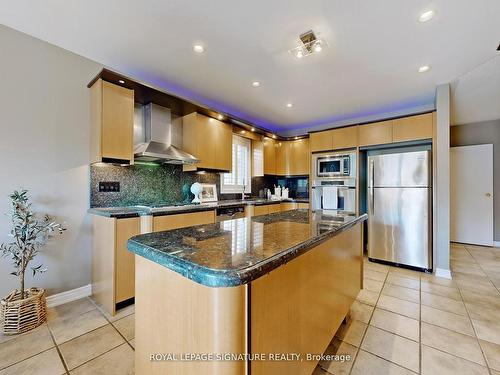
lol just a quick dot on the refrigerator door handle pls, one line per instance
(372, 195)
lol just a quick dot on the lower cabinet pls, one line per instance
(169, 222)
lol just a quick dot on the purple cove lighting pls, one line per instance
(191, 95)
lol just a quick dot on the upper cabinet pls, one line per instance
(209, 140)
(112, 123)
(376, 133)
(334, 139)
(299, 157)
(283, 159)
(269, 156)
(412, 128)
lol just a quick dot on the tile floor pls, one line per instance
(403, 322)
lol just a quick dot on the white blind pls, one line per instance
(240, 174)
(258, 159)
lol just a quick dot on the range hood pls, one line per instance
(153, 127)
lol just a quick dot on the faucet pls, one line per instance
(243, 192)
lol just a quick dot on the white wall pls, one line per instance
(44, 144)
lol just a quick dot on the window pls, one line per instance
(240, 175)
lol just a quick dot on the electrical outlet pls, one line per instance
(109, 187)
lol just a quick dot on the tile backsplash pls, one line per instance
(154, 184)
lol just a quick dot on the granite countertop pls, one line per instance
(235, 252)
(134, 211)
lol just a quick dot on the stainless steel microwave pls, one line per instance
(333, 166)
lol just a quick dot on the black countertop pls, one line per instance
(235, 252)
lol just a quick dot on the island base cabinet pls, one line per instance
(298, 307)
(174, 315)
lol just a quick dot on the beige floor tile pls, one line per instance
(440, 290)
(375, 267)
(481, 287)
(372, 285)
(469, 265)
(88, 346)
(400, 292)
(391, 347)
(395, 323)
(452, 342)
(369, 364)
(435, 362)
(361, 311)
(132, 342)
(443, 303)
(399, 306)
(24, 346)
(492, 354)
(488, 331)
(374, 275)
(458, 276)
(479, 312)
(45, 363)
(405, 272)
(445, 319)
(119, 361)
(71, 309)
(437, 280)
(68, 328)
(493, 372)
(467, 270)
(403, 281)
(126, 326)
(122, 313)
(352, 332)
(481, 299)
(338, 347)
(368, 297)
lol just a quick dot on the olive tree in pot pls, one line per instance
(25, 309)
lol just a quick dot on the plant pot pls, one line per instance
(21, 315)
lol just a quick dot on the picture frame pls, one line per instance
(208, 193)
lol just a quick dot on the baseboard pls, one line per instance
(69, 296)
(496, 243)
(445, 274)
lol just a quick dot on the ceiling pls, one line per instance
(368, 70)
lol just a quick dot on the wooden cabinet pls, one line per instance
(264, 209)
(269, 156)
(303, 205)
(300, 157)
(112, 123)
(344, 137)
(412, 128)
(168, 222)
(321, 141)
(376, 133)
(283, 155)
(287, 206)
(113, 270)
(209, 140)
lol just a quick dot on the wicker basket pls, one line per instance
(21, 315)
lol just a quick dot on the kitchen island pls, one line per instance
(255, 293)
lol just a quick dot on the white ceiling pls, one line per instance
(369, 68)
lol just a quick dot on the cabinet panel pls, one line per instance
(300, 157)
(287, 206)
(412, 128)
(345, 137)
(375, 134)
(269, 156)
(304, 205)
(321, 141)
(272, 208)
(260, 210)
(125, 262)
(283, 158)
(224, 144)
(117, 122)
(169, 222)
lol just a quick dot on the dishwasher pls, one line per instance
(228, 213)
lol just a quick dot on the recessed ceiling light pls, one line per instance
(198, 48)
(253, 129)
(296, 137)
(289, 105)
(121, 81)
(424, 68)
(426, 16)
(274, 135)
(255, 83)
(220, 117)
(317, 47)
(299, 53)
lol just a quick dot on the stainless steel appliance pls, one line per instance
(336, 170)
(228, 213)
(399, 208)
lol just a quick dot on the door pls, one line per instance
(471, 194)
(399, 226)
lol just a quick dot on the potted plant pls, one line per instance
(25, 309)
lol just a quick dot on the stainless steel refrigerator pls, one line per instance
(400, 208)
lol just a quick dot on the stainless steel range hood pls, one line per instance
(153, 134)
